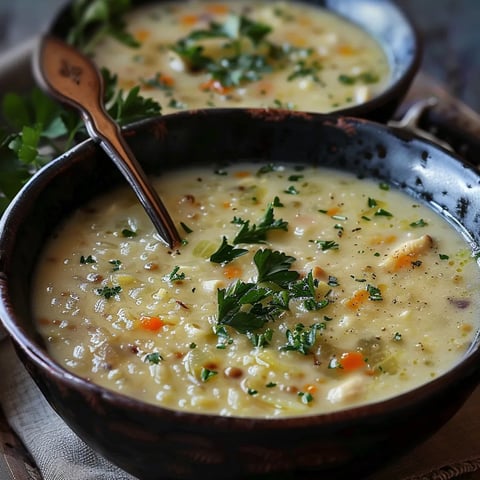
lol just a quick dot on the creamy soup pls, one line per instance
(295, 291)
(293, 55)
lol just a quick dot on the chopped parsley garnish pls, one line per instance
(306, 397)
(155, 358)
(301, 339)
(326, 244)
(291, 190)
(303, 69)
(247, 307)
(109, 292)
(257, 233)
(419, 223)
(126, 232)
(206, 374)
(383, 213)
(186, 228)
(260, 339)
(94, 20)
(116, 264)
(443, 256)
(374, 293)
(365, 77)
(88, 259)
(226, 253)
(175, 275)
(241, 63)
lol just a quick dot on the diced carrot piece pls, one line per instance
(226, 204)
(142, 35)
(404, 261)
(352, 361)
(232, 271)
(152, 324)
(359, 297)
(296, 39)
(345, 50)
(242, 174)
(333, 211)
(166, 80)
(216, 8)
(319, 273)
(189, 19)
(310, 388)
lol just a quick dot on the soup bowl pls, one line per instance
(153, 442)
(383, 21)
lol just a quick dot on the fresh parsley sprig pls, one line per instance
(249, 54)
(257, 233)
(95, 19)
(37, 129)
(248, 306)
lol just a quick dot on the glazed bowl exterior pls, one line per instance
(384, 20)
(152, 442)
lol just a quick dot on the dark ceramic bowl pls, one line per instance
(382, 19)
(157, 443)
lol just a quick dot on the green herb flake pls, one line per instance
(186, 228)
(326, 244)
(374, 293)
(175, 275)
(109, 292)
(154, 358)
(86, 260)
(291, 190)
(206, 374)
(302, 339)
(252, 391)
(116, 264)
(397, 337)
(383, 213)
(128, 233)
(419, 223)
(227, 253)
(306, 397)
(443, 256)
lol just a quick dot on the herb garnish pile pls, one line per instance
(36, 129)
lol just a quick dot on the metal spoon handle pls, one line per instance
(73, 78)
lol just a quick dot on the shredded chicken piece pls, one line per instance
(407, 253)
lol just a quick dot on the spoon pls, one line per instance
(71, 77)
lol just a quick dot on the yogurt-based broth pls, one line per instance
(198, 54)
(296, 291)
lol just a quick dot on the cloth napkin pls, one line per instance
(58, 454)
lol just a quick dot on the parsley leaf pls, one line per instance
(274, 267)
(301, 339)
(258, 233)
(226, 253)
(39, 129)
(94, 19)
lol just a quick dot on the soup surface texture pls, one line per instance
(295, 291)
(198, 54)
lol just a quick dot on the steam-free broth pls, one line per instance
(200, 54)
(296, 291)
